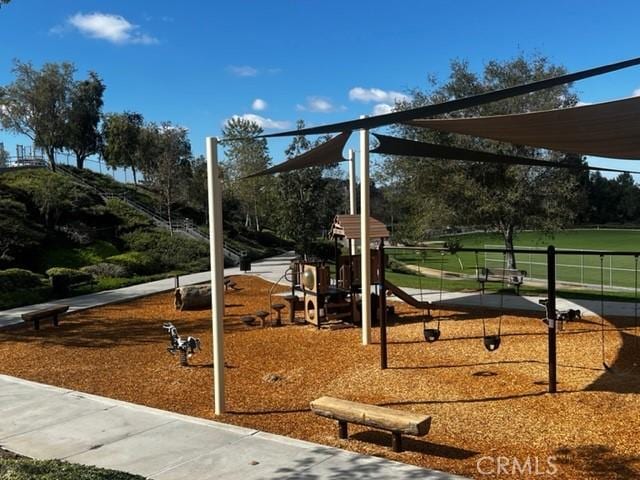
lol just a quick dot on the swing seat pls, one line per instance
(431, 334)
(492, 342)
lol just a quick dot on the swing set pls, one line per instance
(491, 341)
(554, 319)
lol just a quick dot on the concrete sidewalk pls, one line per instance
(46, 422)
(270, 269)
(523, 303)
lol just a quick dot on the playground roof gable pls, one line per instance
(348, 227)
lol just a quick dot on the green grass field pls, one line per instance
(618, 272)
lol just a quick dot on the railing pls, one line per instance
(184, 226)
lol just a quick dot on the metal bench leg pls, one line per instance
(342, 429)
(396, 441)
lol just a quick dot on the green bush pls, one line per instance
(24, 296)
(103, 269)
(27, 469)
(169, 251)
(62, 279)
(68, 257)
(129, 218)
(140, 263)
(17, 278)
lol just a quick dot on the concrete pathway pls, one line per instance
(273, 268)
(524, 303)
(270, 269)
(47, 422)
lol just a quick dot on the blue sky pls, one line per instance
(197, 63)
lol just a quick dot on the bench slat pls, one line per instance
(45, 312)
(372, 415)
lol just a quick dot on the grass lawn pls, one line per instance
(27, 469)
(616, 272)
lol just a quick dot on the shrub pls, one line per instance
(137, 262)
(62, 279)
(170, 251)
(129, 218)
(101, 270)
(17, 278)
(63, 256)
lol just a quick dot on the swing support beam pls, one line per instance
(551, 318)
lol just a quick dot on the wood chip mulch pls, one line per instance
(483, 404)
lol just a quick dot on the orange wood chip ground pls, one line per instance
(483, 404)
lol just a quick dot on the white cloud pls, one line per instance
(242, 70)
(367, 95)
(636, 93)
(266, 123)
(382, 108)
(580, 103)
(112, 28)
(319, 105)
(259, 105)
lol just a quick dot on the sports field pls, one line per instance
(615, 272)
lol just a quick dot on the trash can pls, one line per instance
(245, 262)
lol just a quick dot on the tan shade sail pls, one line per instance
(348, 227)
(410, 148)
(456, 104)
(610, 129)
(328, 153)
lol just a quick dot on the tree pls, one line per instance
(502, 197)
(172, 166)
(308, 199)
(245, 155)
(36, 104)
(121, 137)
(82, 136)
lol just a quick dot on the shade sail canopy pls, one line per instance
(328, 153)
(348, 227)
(400, 146)
(610, 129)
(456, 104)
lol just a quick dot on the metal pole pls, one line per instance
(551, 317)
(382, 307)
(365, 260)
(217, 272)
(352, 188)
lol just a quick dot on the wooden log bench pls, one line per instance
(52, 312)
(508, 276)
(383, 418)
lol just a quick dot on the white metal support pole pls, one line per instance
(352, 189)
(217, 272)
(365, 260)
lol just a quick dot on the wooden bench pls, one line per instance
(383, 418)
(509, 276)
(51, 312)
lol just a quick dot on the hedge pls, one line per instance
(62, 279)
(17, 278)
(139, 263)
